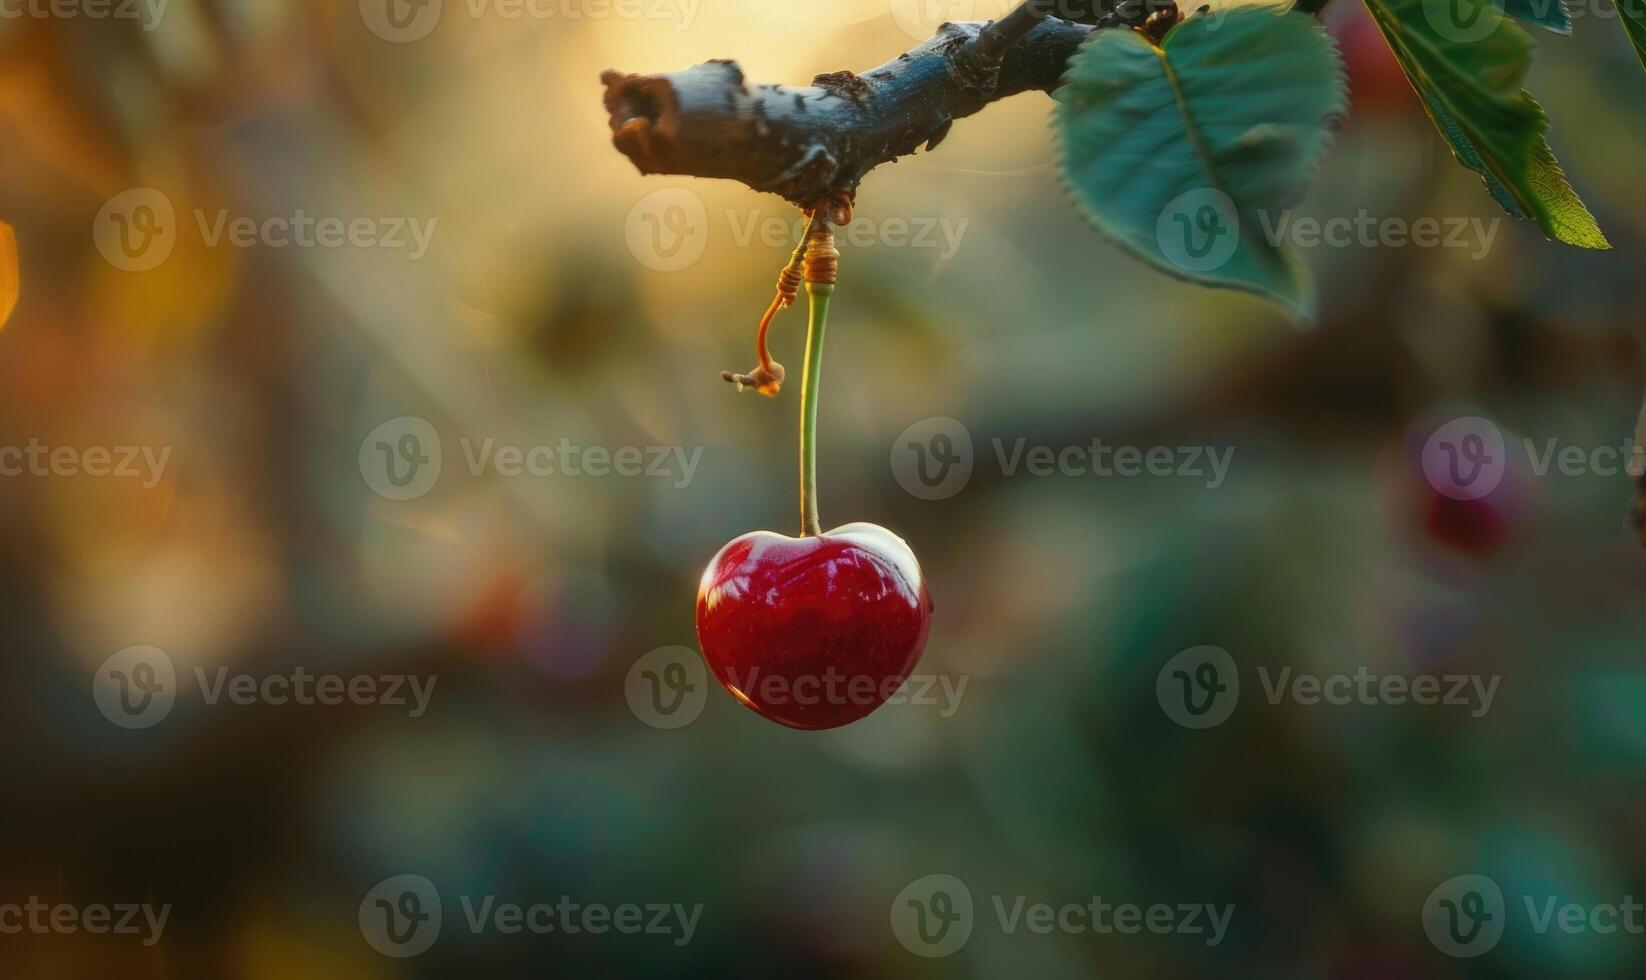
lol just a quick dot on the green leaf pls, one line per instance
(1550, 15)
(1468, 61)
(1633, 15)
(1470, 157)
(1187, 153)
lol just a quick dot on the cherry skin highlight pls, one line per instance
(813, 632)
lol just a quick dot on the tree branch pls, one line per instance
(805, 143)
(995, 37)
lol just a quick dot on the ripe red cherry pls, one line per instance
(813, 632)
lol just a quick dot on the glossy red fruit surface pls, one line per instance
(813, 632)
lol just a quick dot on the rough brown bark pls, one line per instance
(805, 143)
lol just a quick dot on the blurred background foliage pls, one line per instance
(531, 320)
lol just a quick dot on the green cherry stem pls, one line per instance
(819, 294)
(822, 262)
